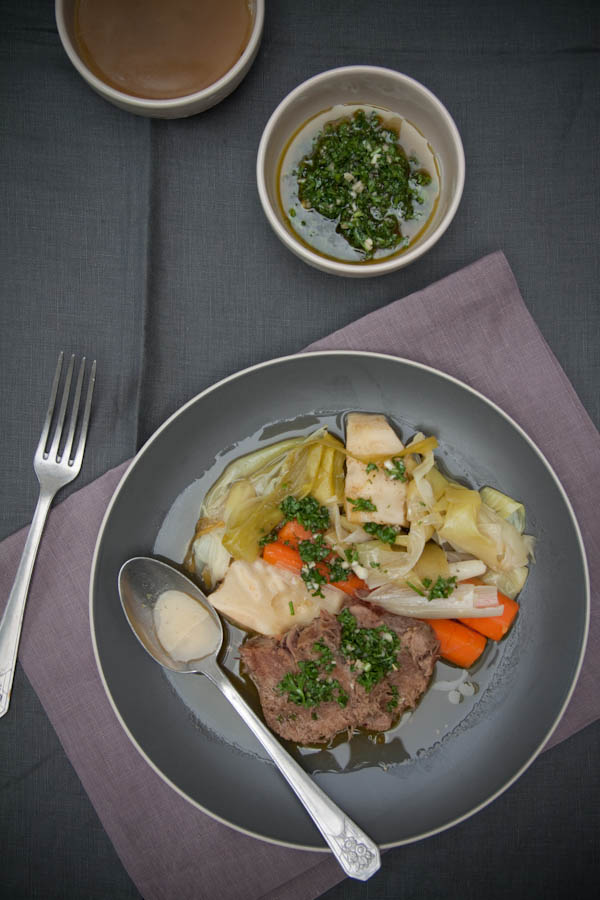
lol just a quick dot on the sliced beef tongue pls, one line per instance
(268, 660)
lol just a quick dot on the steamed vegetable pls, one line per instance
(268, 599)
(328, 486)
(496, 626)
(466, 600)
(471, 526)
(510, 583)
(458, 644)
(373, 518)
(505, 506)
(327, 571)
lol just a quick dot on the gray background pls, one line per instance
(143, 243)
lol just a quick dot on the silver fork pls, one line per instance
(55, 466)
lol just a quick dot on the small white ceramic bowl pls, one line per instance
(177, 107)
(372, 86)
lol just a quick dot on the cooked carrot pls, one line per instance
(279, 554)
(351, 585)
(293, 532)
(494, 627)
(458, 644)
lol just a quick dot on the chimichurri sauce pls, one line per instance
(351, 190)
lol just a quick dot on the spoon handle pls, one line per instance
(356, 853)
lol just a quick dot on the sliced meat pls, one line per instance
(268, 660)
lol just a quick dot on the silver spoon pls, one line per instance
(141, 581)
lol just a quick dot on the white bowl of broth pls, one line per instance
(403, 112)
(161, 58)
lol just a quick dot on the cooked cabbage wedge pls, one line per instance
(505, 506)
(510, 583)
(270, 600)
(247, 496)
(472, 526)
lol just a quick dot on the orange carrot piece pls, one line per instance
(351, 585)
(458, 644)
(494, 627)
(279, 554)
(293, 532)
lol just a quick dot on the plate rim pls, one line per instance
(363, 354)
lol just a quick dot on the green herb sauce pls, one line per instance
(358, 184)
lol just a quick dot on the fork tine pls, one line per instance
(46, 427)
(86, 419)
(54, 447)
(74, 413)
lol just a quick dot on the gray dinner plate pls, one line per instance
(443, 762)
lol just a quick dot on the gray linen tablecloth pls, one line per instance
(143, 243)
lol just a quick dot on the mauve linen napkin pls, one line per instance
(169, 848)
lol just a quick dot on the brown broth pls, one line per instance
(160, 49)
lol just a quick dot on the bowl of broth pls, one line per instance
(360, 170)
(161, 58)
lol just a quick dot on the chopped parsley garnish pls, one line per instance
(416, 589)
(326, 660)
(309, 513)
(375, 565)
(292, 610)
(312, 684)
(268, 538)
(385, 533)
(321, 566)
(443, 587)
(314, 551)
(358, 175)
(371, 651)
(313, 579)
(337, 571)
(396, 470)
(393, 702)
(292, 212)
(351, 555)
(362, 504)
(372, 467)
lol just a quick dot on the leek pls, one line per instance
(505, 506)
(509, 583)
(466, 601)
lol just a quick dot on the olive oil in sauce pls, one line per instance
(324, 235)
(161, 49)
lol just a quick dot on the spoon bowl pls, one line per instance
(142, 580)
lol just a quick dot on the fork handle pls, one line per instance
(12, 620)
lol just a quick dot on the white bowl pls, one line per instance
(173, 108)
(373, 86)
